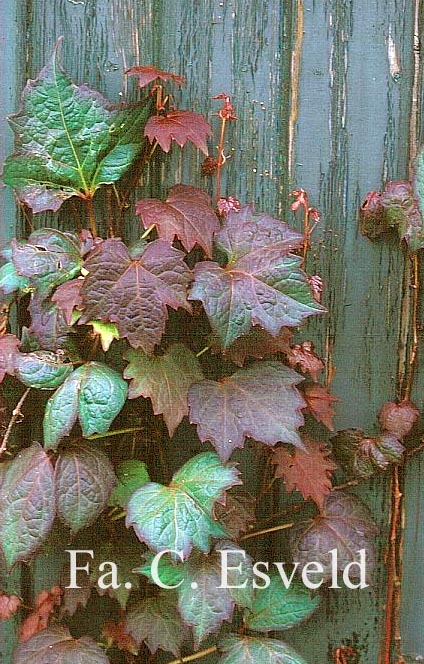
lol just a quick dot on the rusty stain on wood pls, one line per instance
(296, 60)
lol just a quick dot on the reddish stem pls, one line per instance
(221, 157)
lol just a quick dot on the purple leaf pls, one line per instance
(261, 402)
(134, 294)
(55, 644)
(84, 479)
(27, 504)
(262, 283)
(345, 524)
(156, 622)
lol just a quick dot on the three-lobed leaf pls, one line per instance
(186, 214)
(157, 622)
(134, 294)
(55, 644)
(27, 504)
(146, 74)
(180, 516)
(309, 470)
(179, 126)
(253, 650)
(93, 393)
(70, 140)
(165, 379)
(84, 479)
(262, 284)
(260, 401)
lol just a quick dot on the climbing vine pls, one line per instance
(159, 369)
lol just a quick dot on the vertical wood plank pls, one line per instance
(352, 134)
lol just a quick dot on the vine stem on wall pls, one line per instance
(16, 413)
(408, 341)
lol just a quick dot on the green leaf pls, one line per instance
(165, 380)
(156, 622)
(180, 516)
(277, 607)
(48, 258)
(132, 474)
(70, 140)
(55, 644)
(84, 479)
(27, 504)
(170, 573)
(11, 283)
(41, 370)
(93, 393)
(249, 650)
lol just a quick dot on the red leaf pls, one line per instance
(67, 297)
(9, 345)
(308, 471)
(148, 73)
(320, 403)
(38, 620)
(304, 356)
(9, 604)
(398, 418)
(186, 214)
(115, 634)
(178, 126)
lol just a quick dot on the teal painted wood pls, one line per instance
(10, 82)
(346, 132)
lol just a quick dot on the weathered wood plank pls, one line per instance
(353, 133)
